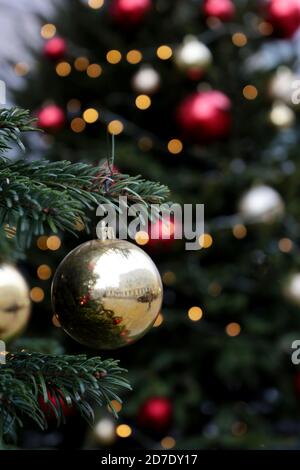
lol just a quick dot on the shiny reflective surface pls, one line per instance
(107, 293)
(14, 302)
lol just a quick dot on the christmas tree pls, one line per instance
(200, 97)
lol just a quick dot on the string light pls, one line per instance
(215, 289)
(123, 430)
(250, 92)
(81, 64)
(94, 70)
(113, 56)
(285, 245)
(116, 405)
(164, 52)
(239, 231)
(159, 320)
(53, 242)
(42, 242)
(168, 442)
(63, 69)
(239, 39)
(265, 28)
(145, 143)
(233, 329)
(141, 237)
(205, 240)
(175, 146)
(73, 105)
(37, 294)
(169, 278)
(143, 102)
(115, 127)
(96, 4)
(90, 115)
(77, 125)
(195, 313)
(134, 56)
(48, 30)
(21, 69)
(44, 272)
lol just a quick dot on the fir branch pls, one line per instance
(12, 122)
(36, 196)
(76, 381)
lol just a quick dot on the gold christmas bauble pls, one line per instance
(107, 293)
(14, 302)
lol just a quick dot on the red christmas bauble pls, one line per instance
(156, 414)
(224, 10)
(205, 116)
(51, 118)
(55, 48)
(284, 16)
(56, 400)
(130, 12)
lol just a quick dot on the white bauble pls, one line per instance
(282, 85)
(146, 80)
(281, 115)
(192, 55)
(292, 288)
(104, 431)
(261, 204)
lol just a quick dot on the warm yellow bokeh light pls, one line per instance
(42, 242)
(95, 4)
(37, 294)
(116, 405)
(134, 56)
(94, 70)
(113, 56)
(77, 125)
(164, 52)
(175, 146)
(205, 240)
(73, 105)
(265, 28)
(44, 272)
(90, 115)
(159, 320)
(63, 69)
(48, 30)
(115, 127)
(169, 278)
(145, 143)
(233, 329)
(250, 92)
(239, 39)
(53, 242)
(143, 102)
(123, 430)
(81, 64)
(141, 237)
(195, 313)
(168, 442)
(239, 231)
(285, 245)
(21, 69)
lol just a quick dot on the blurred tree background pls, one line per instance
(199, 97)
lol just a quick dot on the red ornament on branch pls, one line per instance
(156, 414)
(162, 231)
(284, 16)
(55, 401)
(55, 48)
(224, 10)
(130, 12)
(51, 118)
(205, 116)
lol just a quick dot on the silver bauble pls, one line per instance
(146, 80)
(192, 55)
(261, 204)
